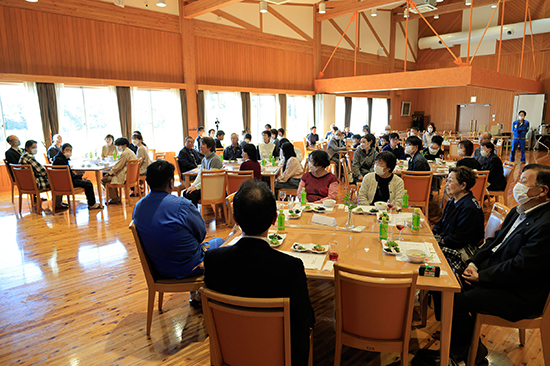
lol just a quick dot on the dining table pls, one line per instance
(94, 166)
(359, 246)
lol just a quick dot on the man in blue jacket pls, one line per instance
(520, 127)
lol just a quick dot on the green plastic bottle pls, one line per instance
(303, 197)
(221, 156)
(416, 220)
(405, 199)
(263, 162)
(114, 155)
(383, 235)
(281, 222)
(91, 155)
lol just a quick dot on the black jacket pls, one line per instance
(469, 162)
(232, 153)
(251, 268)
(189, 159)
(426, 152)
(12, 156)
(418, 163)
(520, 265)
(496, 173)
(218, 144)
(60, 159)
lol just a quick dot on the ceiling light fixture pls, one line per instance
(161, 3)
(436, 16)
(373, 13)
(32, 1)
(263, 6)
(438, 1)
(468, 2)
(494, 6)
(322, 8)
(406, 13)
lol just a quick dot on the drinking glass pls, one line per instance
(400, 225)
(333, 250)
(282, 195)
(390, 206)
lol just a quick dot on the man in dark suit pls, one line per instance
(508, 275)
(219, 138)
(13, 154)
(497, 180)
(189, 158)
(417, 162)
(251, 268)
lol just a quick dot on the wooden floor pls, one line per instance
(73, 293)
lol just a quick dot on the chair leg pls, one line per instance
(545, 340)
(150, 307)
(161, 299)
(475, 342)
(20, 203)
(106, 193)
(338, 350)
(12, 192)
(424, 302)
(521, 337)
(310, 358)
(74, 203)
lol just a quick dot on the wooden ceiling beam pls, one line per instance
(339, 10)
(443, 9)
(375, 34)
(235, 20)
(408, 42)
(201, 7)
(337, 27)
(288, 23)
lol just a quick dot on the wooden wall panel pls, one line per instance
(236, 64)
(42, 43)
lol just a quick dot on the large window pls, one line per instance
(157, 115)
(299, 117)
(20, 115)
(340, 112)
(380, 115)
(263, 111)
(359, 115)
(87, 115)
(226, 108)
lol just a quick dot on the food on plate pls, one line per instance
(318, 248)
(383, 214)
(294, 213)
(278, 237)
(299, 247)
(373, 210)
(359, 209)
(307, 208)
(273, 241)
(319, 208)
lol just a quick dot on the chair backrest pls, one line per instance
(453, 151)
(46, 159)
(213, 185)
(358, 314)
(305, 166)
(24, 177)
(178, 169)
(219, 152)
(229, 200)
(247, 331)
(302, 146)
(236, 177)
(143, 258)
(498, 214)
(60, 179)
(346, 171)
(132, 172)
(351, 153)
(160, 156)
(479, 189)
(508, 170)
(10, 173)
(418, 185)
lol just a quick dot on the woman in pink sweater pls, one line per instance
(292, 169)
(319, 183)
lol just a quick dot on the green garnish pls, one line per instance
(318, 248)
(299, 247)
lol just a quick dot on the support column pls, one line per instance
(393, 31)
(189, 69)
(316, 45)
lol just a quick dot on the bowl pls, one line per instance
(416, 256)
(381, 206)
(329, 203)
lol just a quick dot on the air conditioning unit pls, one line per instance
(424, 6)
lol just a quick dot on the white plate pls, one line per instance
(366, 210)
(393, 252)
(295, 248)
(323, 210)
(283, 236)
(309, 248)
(379, 217)
(306, 210)
(319, 252)
(294, 217)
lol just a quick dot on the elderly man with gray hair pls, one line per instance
(484, 137)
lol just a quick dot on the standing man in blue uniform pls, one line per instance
(520, 127)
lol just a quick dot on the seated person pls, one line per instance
(220, 135)
(233, 151)
(292, 169)
(363, 158)
(387, 130)
(497, 181)
(274, 135)
(382, 185)
(267, 126)
(460, 231)
(507, 276)
(55, 148)
(78, 181)
(40, 175)
(465, 150)
(134, 147)
(346, 133)
(13, 154)
(366, 130)
(250, 156)
(172, 230)
(415, 131)
(383, 141)
(117, 174)
(355, 141)
(319, 183)
(201, 133)
(281, 133)
(211, 161)
(434, 151)
(142, 153)
(331, 131)
(250, 268)
(109, 148)
(394, 147)
(417, 161)
(188, 157)
(428, 135)
(297, 151)
(247, 139)
(212, 133)
(484, 137)
(243, 133)
(312, 138)
(267, 147)
(336, 144)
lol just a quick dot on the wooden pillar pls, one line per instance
(393, 29)
(189, 69)
(316, 45)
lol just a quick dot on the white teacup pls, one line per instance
(329, 203)
(381, 206)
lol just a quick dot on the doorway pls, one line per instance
(472, 117)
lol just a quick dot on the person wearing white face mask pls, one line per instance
(508, 276)
(427, 137)
(417, 162)
(62, 159)
(319, 183)
(497, 181)
(520, 128)
(28, 157)
(363, 158)
(117, 174)
(13, 154)
(434, 151)
(382, 184)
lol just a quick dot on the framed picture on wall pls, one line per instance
(405, 109)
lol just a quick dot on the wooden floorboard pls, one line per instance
(73, 293)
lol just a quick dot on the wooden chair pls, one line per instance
(213, 188)
(219, 152)
(61, 184)
(13, 183)
(247, 331)
(453, 151)
(542, 323)
(236, 177)
(418, 185)
(346, 172)
(480, 188)
(305, 166)
(178, 186)
(363, 323)
(229, 202)
(132, 180)
(508, 168)
(46, 159)
(159, 156)
(498, 214)
(156, 284)
(26, 184)
(302, 146)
